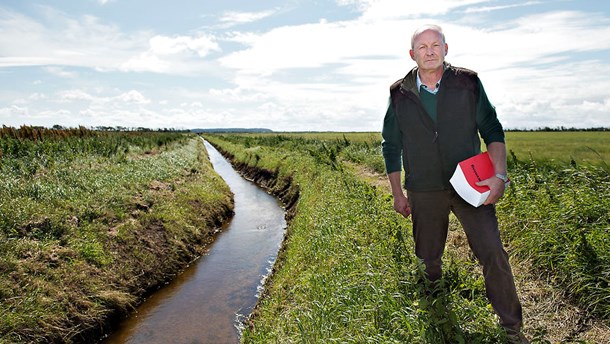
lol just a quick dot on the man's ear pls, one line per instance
(446, 49)
(412, 54)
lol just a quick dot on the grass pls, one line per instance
(582, 147)
(348, 273)
(90, 223)
(84, 240)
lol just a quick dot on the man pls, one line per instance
(434, 116)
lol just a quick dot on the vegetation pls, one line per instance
(561, 148)
(348, 273)
(91, 221)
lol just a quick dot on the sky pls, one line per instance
(292, 65)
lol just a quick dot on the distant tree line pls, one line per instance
(232, 130)
(562, 128)
(139, 129)
(39, 133)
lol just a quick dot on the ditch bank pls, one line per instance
(68, 291)
(156, 250)
(281, 187)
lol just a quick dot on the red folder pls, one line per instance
(468, 173)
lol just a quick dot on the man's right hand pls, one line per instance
(401, 202)
(402, 205)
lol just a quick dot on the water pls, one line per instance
(206, 303)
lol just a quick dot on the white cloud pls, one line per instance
(74, 95)
(500, 7)
(61, 40)
(8, 114)
(313, 45)
(61, 72)
(134, 97)
(232, 18)
(352, 64)
(201, 45)
(373, 10)
(324, 75)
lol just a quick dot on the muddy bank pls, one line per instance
(155, 250)
(281, 187)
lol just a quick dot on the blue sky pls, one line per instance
(291, 65)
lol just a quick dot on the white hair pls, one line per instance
(427, 27)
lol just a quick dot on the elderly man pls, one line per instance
(433, 121)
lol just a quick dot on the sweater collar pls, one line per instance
(412, 83)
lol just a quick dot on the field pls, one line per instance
(561, 147)
(91, 221)
(347, 272)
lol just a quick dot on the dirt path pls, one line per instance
(548, 315)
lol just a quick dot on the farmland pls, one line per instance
(87, 217)
(92, 221)
(348, 274)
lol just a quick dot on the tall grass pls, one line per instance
(558, 217)
(83, 239)
(349, 273)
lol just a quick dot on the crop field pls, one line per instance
(91, 221)
(347, 271)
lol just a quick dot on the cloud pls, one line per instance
(61, 72)
(201, 45)
(74, 95)
(180, 55)
(500, 7)
(232, 18)
(133, 96)
(58, 39)
(393, 9)
(320, 75)
(325, 73)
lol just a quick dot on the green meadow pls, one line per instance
(582, 147)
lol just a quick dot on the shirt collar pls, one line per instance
(420, 84)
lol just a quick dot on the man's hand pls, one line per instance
(401, 202)
(402, 205)
(496, 187)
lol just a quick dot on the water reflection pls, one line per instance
(204, 304)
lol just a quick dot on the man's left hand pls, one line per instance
(496, 187)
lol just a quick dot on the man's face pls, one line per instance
(429, 50)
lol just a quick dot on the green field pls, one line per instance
(580, 146)
(83, 213)
(348, 273)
